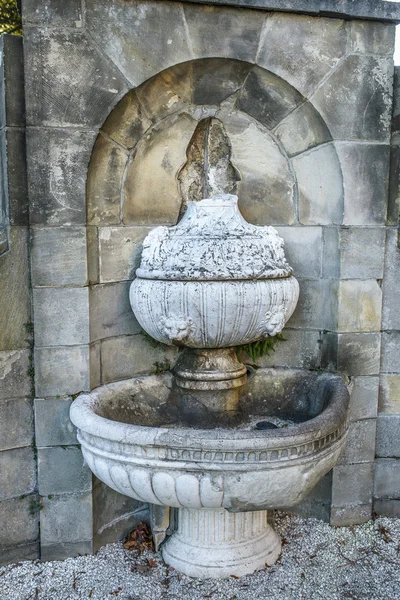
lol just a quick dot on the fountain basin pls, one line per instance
(135, 438)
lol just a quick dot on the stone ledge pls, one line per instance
(379, 10)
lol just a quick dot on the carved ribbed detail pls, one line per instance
(220, 526)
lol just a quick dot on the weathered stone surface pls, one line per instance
(389, 392)
(317, 305)
(114, 515)
(68, 14)
(387, 508)
(62, 551)
(320, 186)
(362, 252)
(18, 553)
(387, 436)
(12, 109)
(111, 312)
(372, 38)
(126, 356)
(16, 177)
(61, 370)
(95, 364)
(391, 283)
(345, 516)
(215, 79)
(266, 188)
(104, 182)
(120, 249)
(241, 32)
(53, 426)
(352, 484)
(359, 353)
(360, 446)
(302, 129)
(303, 250)
(18, 472)
(365, 169)
(62, 470)
(360, 305)
(58, 95)
(155, 34)
(387, 478)
(390, 352)
(267, 98)
(393, 209)
(302, 50)
(127, 122)
(61, 316)
(58, 256)
(18, 525)
(14, 379)
(66, 519)
(317, 505)
(57, 167)
(16, 423)
(158, 158)
(92, 254)
(301, 349)
(364, 112)
(331, 255)
(363, 397)
(14, 292)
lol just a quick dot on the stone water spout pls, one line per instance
(194, 439)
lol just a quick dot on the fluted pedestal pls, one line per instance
(216, 543)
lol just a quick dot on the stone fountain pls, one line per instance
(221, 444)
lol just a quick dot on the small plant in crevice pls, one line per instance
(35, 505)
(256, 350)
(161, 367)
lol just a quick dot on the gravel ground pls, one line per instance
(358, 562)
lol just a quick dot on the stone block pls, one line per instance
(387, 508)
(215, 79)
(317, 305)
(300, 49)
(331, 255)
(12, 109)
(18, 524)
(120, 250)
(317, 505)
(393, 209)
(344, 516)
(364, 111)
(362, 253)
(110, 311)
(387, 478)
(58, 95)
(92, 254)
(360, 446)
(320, 186)
(15, 380)
(17, 472)
(389, 394)
(154, 34)
(388, 436)
(61, 316)
(267, 185)
(127, 122)
(360, 305)
(104, 182)
(66, 519)
(52, 423)
(61, 370)
(303, 250)
(302, 130)
(352, 484)
(359, 353)
(58, 256)
(57, 167)
(127, 356)
(62, 470)
(369, 37)
(16, 423)
(365, 169)
(267, 98)
(114, 515)
(241, 32)
(14, 292)
(19, 553)
(52, 13)
(16, 177)
(301, 350)
(363, 397)
(329, 351)
(390, 352)
(158, 159)
(62, 551)
(391, 283)
(95, 365)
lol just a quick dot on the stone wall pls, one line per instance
(306, 105)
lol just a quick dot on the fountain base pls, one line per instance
(217, 543)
